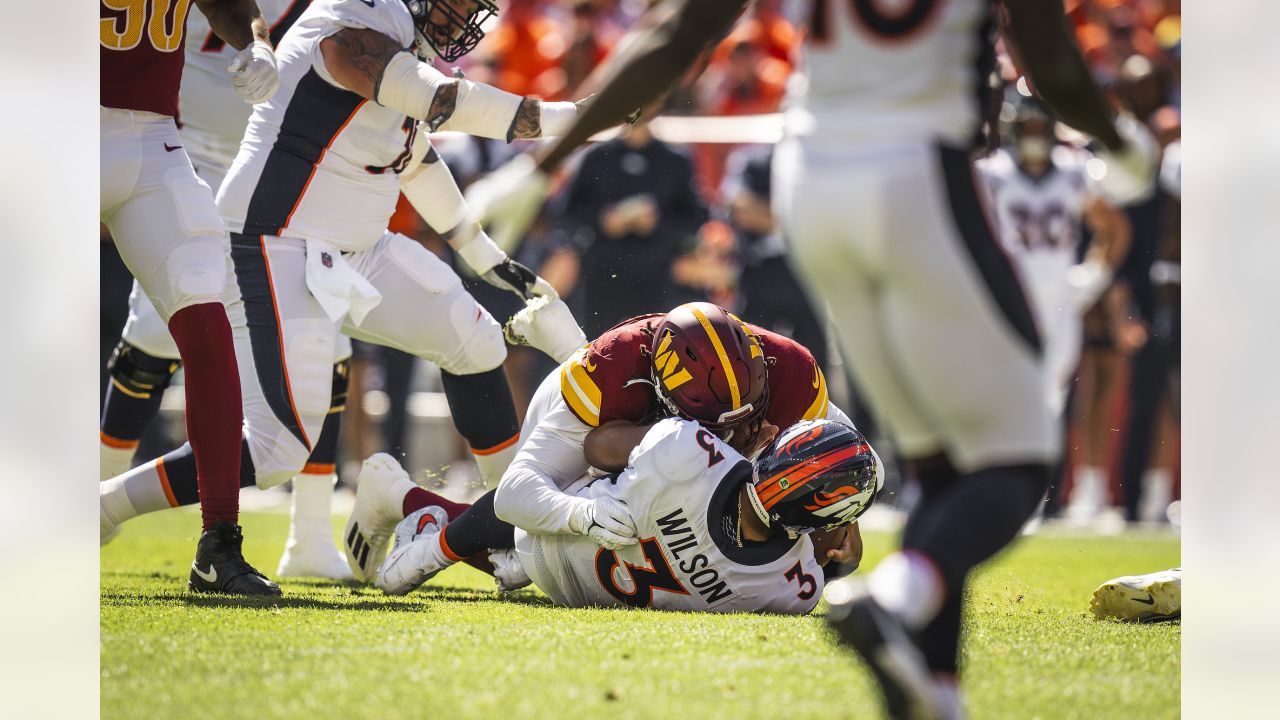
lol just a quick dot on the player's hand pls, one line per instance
(508, 199)
(546, 324)
(1129, 173)
(511, 275)
(606, 521)
(253, 73)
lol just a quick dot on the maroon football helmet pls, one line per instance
(708, 367)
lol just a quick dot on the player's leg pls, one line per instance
(141, 368)
(425, 311)
(963, 332)
(309, 551)
(171, 238)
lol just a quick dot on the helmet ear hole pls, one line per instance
(692, 355)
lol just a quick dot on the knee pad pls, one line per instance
(139, 374)
(483, 350)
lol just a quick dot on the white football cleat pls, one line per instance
(417, 556)
(380, 491)
(1140, 598)
(310, 552)
(507, 570)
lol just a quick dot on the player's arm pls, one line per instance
(649, 63)
(240, 23)
(531, 496)
(1107, 249)
(609, 446)
(375, 67)
(1044, 48)
(1042, 44)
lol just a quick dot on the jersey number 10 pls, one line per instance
(162, 21)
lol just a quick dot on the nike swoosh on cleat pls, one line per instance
(1149, 601)
(211, 576)
(168, 148)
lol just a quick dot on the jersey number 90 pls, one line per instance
(161, 21)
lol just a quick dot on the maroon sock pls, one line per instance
(417, 498)
(215, 416)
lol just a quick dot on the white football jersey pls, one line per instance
(679, 483)
(877, 70)
(319, 161)
(213, 116)
(1038, 220)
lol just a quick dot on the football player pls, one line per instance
(697, 362)
(146, 359)
(876, 189)
(164, 222)
(719, 533)
(308, 199)
(1039, 193)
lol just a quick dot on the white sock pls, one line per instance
(1157, 492)
(909, 586)
(312, 494)
(1089, 490)
(493, 464)
(137, 492)
(113, 461)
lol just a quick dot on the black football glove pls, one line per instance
(513, 276)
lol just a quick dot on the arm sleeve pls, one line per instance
(531, 494)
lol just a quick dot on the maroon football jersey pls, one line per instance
(141, 52)
(603, 375)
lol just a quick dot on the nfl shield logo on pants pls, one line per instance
(326, 259)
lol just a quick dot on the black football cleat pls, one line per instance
(220, 566)
(884, 643)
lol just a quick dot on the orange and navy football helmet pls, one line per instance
(707, 367)
(816, 475)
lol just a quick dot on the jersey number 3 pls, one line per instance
(808, 585)
(645, 580)
(162, 21)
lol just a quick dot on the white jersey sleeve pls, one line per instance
(681, 483)
(551, 458)
(378, 15)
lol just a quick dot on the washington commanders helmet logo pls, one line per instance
(667, 361)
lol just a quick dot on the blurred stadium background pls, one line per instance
(700, 228)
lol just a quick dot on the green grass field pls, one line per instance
(456, 650)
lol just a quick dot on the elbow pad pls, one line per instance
(412, 87)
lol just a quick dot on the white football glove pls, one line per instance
(253, 73)
(508, 199)
(507, 570)
(546, 324)
(1129, 175)
(606, 521)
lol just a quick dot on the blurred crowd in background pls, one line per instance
(640, 225)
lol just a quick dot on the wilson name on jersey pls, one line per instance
(319, 161)
(908, 70)
(679, 485)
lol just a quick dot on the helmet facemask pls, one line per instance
(445, 30)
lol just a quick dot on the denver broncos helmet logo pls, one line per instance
(823, 499)
(794, 444)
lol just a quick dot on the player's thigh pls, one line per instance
(285, 348)
(425, 311)
(958, 323)
(145, 329)
(837, 236)
(119, 159)
(168, 230)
